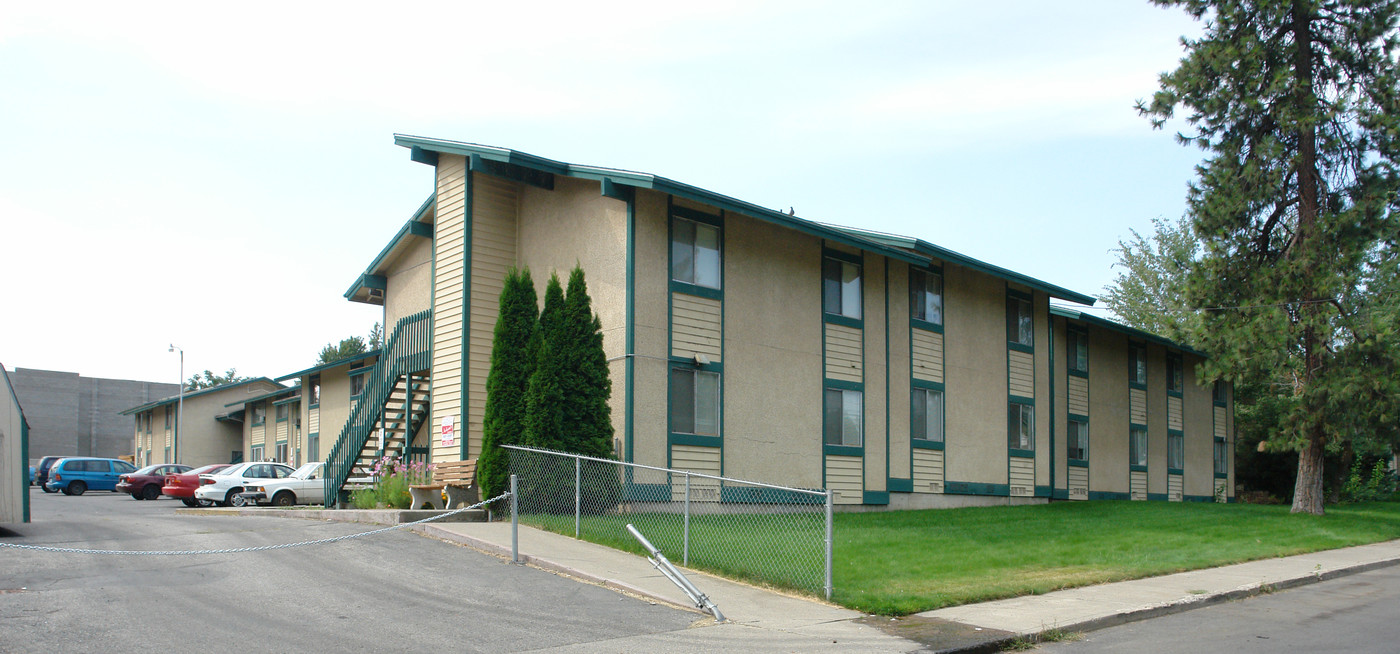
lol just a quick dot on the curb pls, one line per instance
(526, 559)
(1174, 607)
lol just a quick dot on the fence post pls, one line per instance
(685, 532)
(578, 486)
(827, 586)
(515, 528)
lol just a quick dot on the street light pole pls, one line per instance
(179, 412)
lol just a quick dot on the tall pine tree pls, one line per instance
(1296, 102)
(544, 399)
(512, 362)
(587, 386)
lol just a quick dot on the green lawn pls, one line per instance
(901, 562)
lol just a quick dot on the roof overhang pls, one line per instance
(1132, 332)
(369, 287)
(203, 391)
(349, 362)
(265, 396)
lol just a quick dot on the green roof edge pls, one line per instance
(175, 398)
(1072, 314)
(326, 366)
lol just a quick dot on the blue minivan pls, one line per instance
(76, 475)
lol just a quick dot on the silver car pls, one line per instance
(305, 486)
(223, 487)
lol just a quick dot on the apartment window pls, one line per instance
(1137, 365)
(695, 253)
(1176, 442)
(926, 296)
(149, 415)
(1019, 324)
(259, 414)
(313, 447)
(282, 452)
(1020, 426)
(1219, 393)
(1137, 446)
(1221, 463)
(1078, 351)
(1078, 441)
(841, 288)
(694, 402)
(927, 420)
(167, 417)
(357, 384)
(257, 453)
(315, 390)
(281, 413)
(1176, 377)
(842, 421)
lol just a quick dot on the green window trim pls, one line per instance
(1222, 475)
(828, 426)
(1015, 437)
(1176, 374)
(1137, 363)
(925, 325)
(843, 450)
(687, 288)
(1070, 418)
(698, 440)
(1136, 468)
(921, 444)
(1021, 399)
(844, 321)
(843, 385)
(1176, 471)
(1135, 385)
(1078, 463)
(1021, 454)
(687, 213)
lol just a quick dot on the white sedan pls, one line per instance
(305, 486)
(224, 486)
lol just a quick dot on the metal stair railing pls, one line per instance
(407, 350)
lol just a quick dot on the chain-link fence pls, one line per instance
(761, 533)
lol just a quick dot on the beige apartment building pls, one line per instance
(209, 432)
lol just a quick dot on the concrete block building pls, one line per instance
(73, 415)
(754, 344)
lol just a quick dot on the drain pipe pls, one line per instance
(658, 561)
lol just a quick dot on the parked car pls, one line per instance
(144, 484)
(31, 475)
(76, 475)
(304, 486)
(41, 473)
(182, 486)
(225, 486)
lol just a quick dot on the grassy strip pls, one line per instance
(901, 562)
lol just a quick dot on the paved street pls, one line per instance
(1355, 613)
(397, 591)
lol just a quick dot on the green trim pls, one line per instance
(265, 396)
(1107, 495)
(699, 291)
(926, 385)
(670, 312)
(925, 444)
(512, 172)
(844, 321)
(926, 325)
(1018, 399)
(287, 401)
(1020, 347)
(976, 488)
(1134, 425)
(356, 372)
(1076, 417)
(1222, 475)
(664, 185)
(1042, 491)
(423, 156)
(1157, 497)
(1137, 386)
(631, 328)
(900, 485)
(1176, 432)
(1176, 471)
(1060, 494)
(1198, 498)
(373, 276)
(1077, 373)
(841, 255)
(751, 495)
(843, 385)
(1119, 327)
(1133, 467)
(1021, 295)
(843, 450)
(695, 440)
(204, 391)
(875, 497)
(1078, 463)
(1021, 454)
(327, 366)
(1176, 394)
(697, 216)
(468, 220)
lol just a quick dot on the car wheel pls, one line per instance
(150, 492)
(46, 488)
(76, 488)
(204, 503)
(190, 501)
(138, 496)
(284, 498)
(232, 498)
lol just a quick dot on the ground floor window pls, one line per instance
(1221, 452)
(1137, 446)
(1020, 426)
(313, 447)
(1078, 441)
(842, 421)
(927, 420)
(282, 452)
(694, 402)
(257, 454)
(1176, 442)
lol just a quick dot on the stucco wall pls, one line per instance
(1108, 407)
(876, 371)
(899, 370)
(651, 286)
(975, 351)
(409, 281)
(1199, 456)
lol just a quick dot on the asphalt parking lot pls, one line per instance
(397, 591)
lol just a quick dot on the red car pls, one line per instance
(182, 485)
(144, 484)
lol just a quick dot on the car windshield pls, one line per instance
(306, 472)
(209, 469)
(228, 471)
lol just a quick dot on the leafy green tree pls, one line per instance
(544, 396)
(512, 362)
(376, 336)
(1149, 292)
(1298, 104)
(348, 347)
(208, 379)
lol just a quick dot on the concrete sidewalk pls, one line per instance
(976, 627)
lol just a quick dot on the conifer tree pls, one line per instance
(544, 398)
(512, 362)
(586, 384)
(1298, 104)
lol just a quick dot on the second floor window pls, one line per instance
(1019, 325)
(281, 412)
(259, 414)
(1176, 378)
(695, 253)
(1137, 446)
(1078, 351)
(1137, 365)
(841, 288)
(315, 390)
(357, 385)
(926, 296)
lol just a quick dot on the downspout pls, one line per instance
(1052, 404)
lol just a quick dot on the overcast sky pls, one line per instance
(217, 174)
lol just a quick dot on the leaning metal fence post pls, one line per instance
(685, 532)
(515, 530)
(827, 586)
(577, 492)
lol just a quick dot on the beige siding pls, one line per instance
(928, 471)
(313, 421)
(927, 355)
(1078, 483)
(14, 484)
(260, 435)
(495, 204)
(843, 354)
(704, 460)
(283, 431)
(1137, 485)
(1022, 476)
(695, 326)
(843, 476)
(1078, 395)
(1021, 373)
(449, 238)
(1174, 413)
(1174, 486)
(1220, 419)
(1137, 406)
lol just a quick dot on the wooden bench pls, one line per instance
(456, 478)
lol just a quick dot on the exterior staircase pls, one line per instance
(394, 403)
